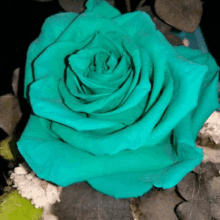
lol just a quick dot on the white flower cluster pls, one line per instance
(209, 154)
(31, 187)
(211, 128)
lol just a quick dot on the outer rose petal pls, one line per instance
(102, 7)
(51, 30)
(208, 87)
(126, 174)
(47, 103)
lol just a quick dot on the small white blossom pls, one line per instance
(31, 187)
(30, 176)
(20, 170)
(211, 128)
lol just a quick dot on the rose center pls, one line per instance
(100, 63)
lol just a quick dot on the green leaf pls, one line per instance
(14, 207)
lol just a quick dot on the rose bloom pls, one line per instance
(114, 103)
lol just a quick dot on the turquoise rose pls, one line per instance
(114, 104)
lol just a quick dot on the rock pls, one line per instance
(184, 15)
(76, 5)
(200, 190)
(162, 27)
(214, 191)
(158, 204)
(82, 202)
(190, 211)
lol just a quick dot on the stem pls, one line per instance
(140, 4)
(128, 5)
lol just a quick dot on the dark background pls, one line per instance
(210, 25)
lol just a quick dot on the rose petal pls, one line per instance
(102, 8)
(76, 164)
(47, 103)
(47, 63)
(138, 132)
(140, 20)
(209, 83)
(135, 104)
(51, 30)
(90, 86)
(76, 88)
(104, 104)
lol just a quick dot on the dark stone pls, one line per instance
(189, 186)
(173, 39)
(201, 190)
(163, 27)
(82, 202)
(158, 204)
(191, 211)
(77, 6)
(184, 15)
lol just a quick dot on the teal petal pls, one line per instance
(47, 103)
(82, 61)
(73, 83)
(104, 104)
(75, 88)
(131, 137)
(200, 115)
(101, 7)
(87, 76)
(93, 86)
(40, 140)
(134, 54)
(117, 74)
(88, 24)
(135, 24)
(52, 28)
(207, 89)
(141, 181)
(50, 64)
(142, 169)
(135, 104)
